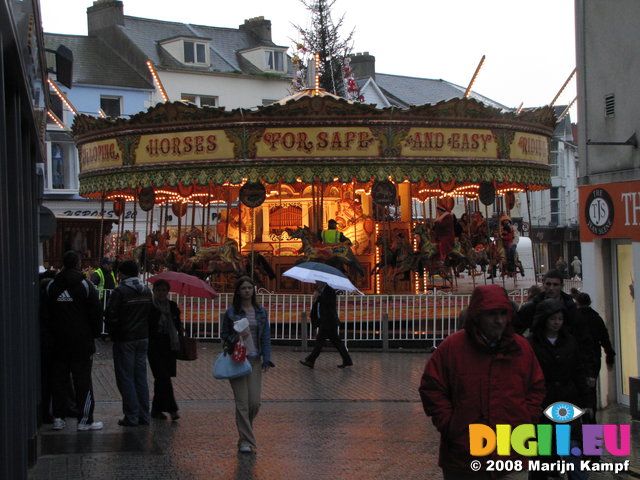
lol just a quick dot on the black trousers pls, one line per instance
(332, 335)
(80, 370)
(163, 366)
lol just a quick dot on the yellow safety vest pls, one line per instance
(330, 236)
(101, 284)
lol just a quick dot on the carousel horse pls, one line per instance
(337, 255)
(475, 256)
(261, 268)
(498, 260)
(209, 259)
(388, 256)
(152, 255)
(429, 258)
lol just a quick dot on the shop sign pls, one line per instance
(530, 147)
(102, 154)
(318, 142)
(184, 146)
(473, 143)
(91, 213)
(610, 210)
(449, 142)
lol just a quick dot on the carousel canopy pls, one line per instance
(177, 147)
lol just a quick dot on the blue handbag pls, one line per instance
(225, 368)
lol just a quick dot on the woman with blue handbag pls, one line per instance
(257, 339)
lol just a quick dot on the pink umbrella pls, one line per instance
(185, 284)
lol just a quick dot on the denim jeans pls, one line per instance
(130, 362)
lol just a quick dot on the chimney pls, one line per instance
(363, 65)
(104, 14)
(258, 27)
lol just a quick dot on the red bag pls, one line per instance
(239, 352)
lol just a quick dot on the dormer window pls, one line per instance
(188, 50)
(274, 60)
(194, 52)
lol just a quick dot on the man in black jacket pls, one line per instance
(552, 288)
(72, 314)
(127, 319)
(324, 314)
(599, 336)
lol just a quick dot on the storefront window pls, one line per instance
(62, 170)
(627, 315)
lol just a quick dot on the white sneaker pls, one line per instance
(90, 426)
(58, 424)
(245, 449)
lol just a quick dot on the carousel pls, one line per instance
(221, 193)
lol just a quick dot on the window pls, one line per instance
(62, 174)
(56, 108)
(111, 106)
(199, 100)
(274, 60)
(553, 158)
(610, 105)
(555, 205)
(194, 52)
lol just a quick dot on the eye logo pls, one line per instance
(563, 412)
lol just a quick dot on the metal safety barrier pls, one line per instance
(377, 319)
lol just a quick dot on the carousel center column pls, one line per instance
(404, 193)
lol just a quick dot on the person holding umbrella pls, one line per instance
(325, 314)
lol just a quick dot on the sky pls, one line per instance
(529, 46)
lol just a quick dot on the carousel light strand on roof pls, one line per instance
(317, 78)
(62, 96)
(56, 120)
(156, 80)
(473, 79)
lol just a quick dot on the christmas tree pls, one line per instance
(324, 38)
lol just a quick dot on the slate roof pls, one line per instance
(224, 46)
(404, 91)
(96, 64)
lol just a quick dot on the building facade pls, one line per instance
(609, 183)
(552, 215)
(23, 103)
(126, 65)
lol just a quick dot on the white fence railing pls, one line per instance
(374, 318)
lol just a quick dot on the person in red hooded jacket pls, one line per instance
(444, 232)
(484, 374)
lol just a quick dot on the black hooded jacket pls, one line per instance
(564, 372)
(72, 313)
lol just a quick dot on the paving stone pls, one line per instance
(364, 422)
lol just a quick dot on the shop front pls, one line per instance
(610, 240)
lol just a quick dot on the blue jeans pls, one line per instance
(130, 362)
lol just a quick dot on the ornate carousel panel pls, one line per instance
(312, 159)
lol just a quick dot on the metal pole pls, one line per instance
(533, 250)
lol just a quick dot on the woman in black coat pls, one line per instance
(165, 330)
(557, 353)
(559, 357)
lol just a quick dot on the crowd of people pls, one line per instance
(507, 365)
(145, 327)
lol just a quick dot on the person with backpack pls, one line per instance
(72, 313)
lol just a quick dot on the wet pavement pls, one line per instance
(364, 422)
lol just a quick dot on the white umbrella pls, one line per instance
(310, 272)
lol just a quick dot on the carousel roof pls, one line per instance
(314, 138)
